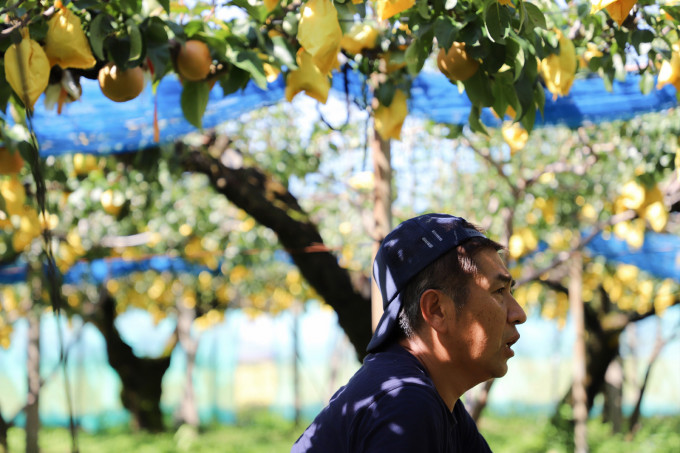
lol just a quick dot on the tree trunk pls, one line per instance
(32, 410)
(273, 206)
(382, 211)
(141, 377)
(602, 347)
(297, 396)
(579, 398)
(613, 395)
(188, 411)
(4, 426)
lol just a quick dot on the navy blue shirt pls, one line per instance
(391, 405)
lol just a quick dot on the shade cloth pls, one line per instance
(97, 125)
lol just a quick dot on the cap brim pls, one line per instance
(386, 326)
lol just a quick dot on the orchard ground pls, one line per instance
(262, 432)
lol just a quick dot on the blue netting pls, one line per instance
(659, 254)
(100, 270)
(13, 273)
(100, 126)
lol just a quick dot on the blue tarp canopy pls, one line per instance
(659, 256)
(98, 125)
(100, 270)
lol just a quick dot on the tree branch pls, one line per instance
(273, 206)
(566, 255)
(484, 154)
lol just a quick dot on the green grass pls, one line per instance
(267, 433)
(524, 434)
(260, 433)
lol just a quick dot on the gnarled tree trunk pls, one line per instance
(141, 377)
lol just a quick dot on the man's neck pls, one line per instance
(448, 380)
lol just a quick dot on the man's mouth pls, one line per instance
(510, 342)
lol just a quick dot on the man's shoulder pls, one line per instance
(390, 391)
(391, 374)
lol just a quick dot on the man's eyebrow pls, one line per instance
(506, 278)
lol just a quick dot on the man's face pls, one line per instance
(484, 328)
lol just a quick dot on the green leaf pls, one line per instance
(130, 7)
(235, 80)
(475, 122)
(641, 36)
(194, 101)
(193, 27)
(154, 30)
(500, 103)
(535, 15)
(135, 40)
(529, 118)
(607, 79)
(175, 29)
(523, 87)
(416, 54)
(494, 58)
(119, 50)
(284, 52)
(423, 9)
(522, 18)
(250, 62)
(256, 10)
(290, 24)
(5, 89)
(445, 30)
(27, 152)
(514, 57)
(100, 29)
(504, 94)
(496, 22)
(619, 67)
(539, 100)
(478, 89)
(385, 93)
(159, 56)
(165, 4)
(646, 82)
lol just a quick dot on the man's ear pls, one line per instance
(433, 309)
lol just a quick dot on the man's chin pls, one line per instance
(501, 371)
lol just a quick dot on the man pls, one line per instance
(449, 323)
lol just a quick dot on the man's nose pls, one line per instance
(516, 314)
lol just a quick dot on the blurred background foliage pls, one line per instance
(258, 204)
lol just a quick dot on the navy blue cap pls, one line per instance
(407, 250)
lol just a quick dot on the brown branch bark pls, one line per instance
(566, 255)
(273, 206)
